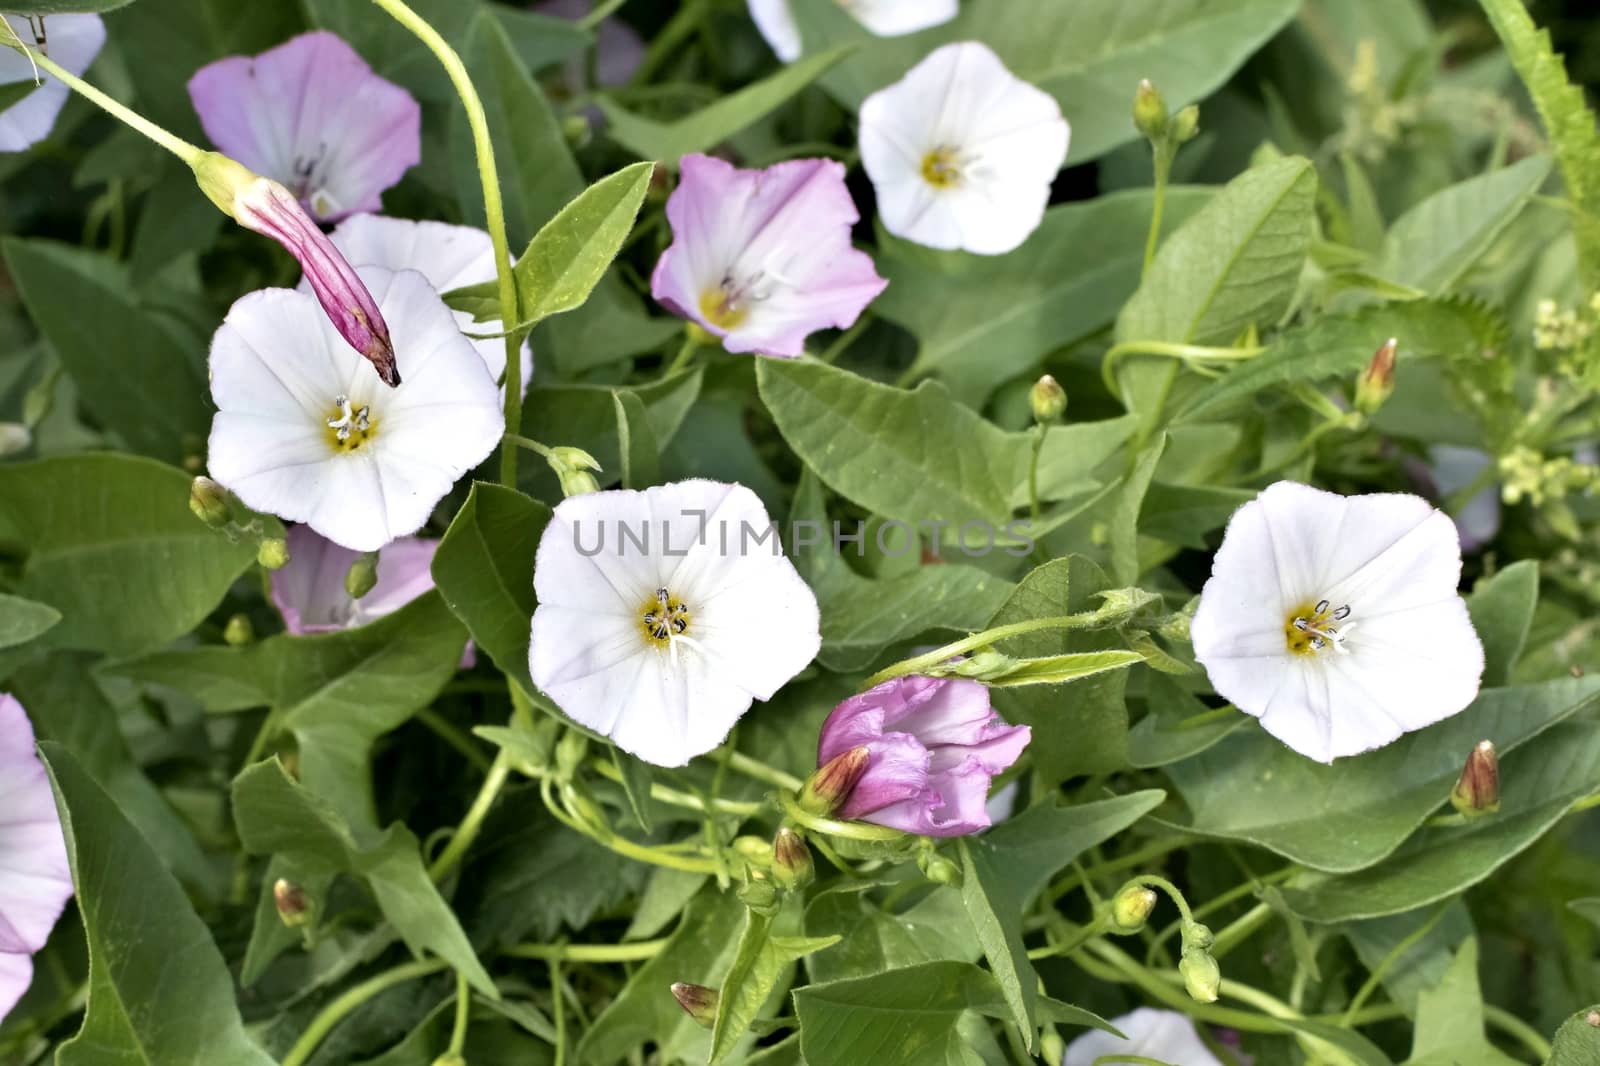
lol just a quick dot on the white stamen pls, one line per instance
(349, 420)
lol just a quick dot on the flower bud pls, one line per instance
(792, 866)
(1376, 382)
(1048, 400)
(273, 553)
(266, 207)
(238, 632)
(362, 575)
(15, 438)
(294, 907)
(1149, 111)
(938, 869)
(697, 1001)
(571, 750)
(760, 895)
(572, 466)
(1478, 790)
(1132, 908)
(575, 130)
(829, 786)
(1185, 124)
(1202, 977)
(209, 502)
(754, 850)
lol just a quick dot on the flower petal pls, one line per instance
(1163, 1035)
(776, 23)
(35, 879)
(74, 41)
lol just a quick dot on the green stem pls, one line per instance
(1240, 929)
(339, 1009)
(1033, 472)
(833, 827)
(600, 13)
(447, 732)
(1203, 718)
(759, 770)
(843, 342)
(1164, 154)
(978, 640)
(179, 147)
(1510, 1024)
(1152, 881)
(529, 443)
(636, 952)
(658, 791)
(1373, 979)
(472, 822)
(559, 1009)
(684, 357)
(493, 211)
(667, 40)
(1181, 352)
(458, 1033)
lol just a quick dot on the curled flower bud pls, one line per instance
(273, 553)
(792, 866)
(1132, 908)
(572, 467)
(829, 786)
(294, 907)
(1149, 111)
(238, 632)
(266, 207)
(760, 895)
(1478, 790)
(362, 575)
(697, 1001)
(1048, 400)
(1376, 382)
(209, 502)
(1202, 977)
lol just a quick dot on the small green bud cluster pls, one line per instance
(1525, 474)
(1164, 130)
(1556, 328)
(573, 468)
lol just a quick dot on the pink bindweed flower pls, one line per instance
(936, 744)
(762, 258)
(35, 879)
(310, 590)
(311, 115)
(266, 207)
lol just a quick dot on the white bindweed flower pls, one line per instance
(663, 613)
(1158, 1035)
(304, 429)
(962, 152)
(883, 18)
(1335, 619)
(450, 257)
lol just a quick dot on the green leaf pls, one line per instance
(758, 967)
(862, 616)
(1184, 514)
(137, 375)
(1350, 815)
(1502, 609)
(1009, 865)
(1568, 122)
(1233, 265)
(1450, 1019)
(111, 545)
(15, 92)
(53, 7)
(641, 459)
(874, 939)
(710, 126)
(1124, 516)
(1423, 964)
(917, 457)
(142, 1007)
(699, 952)
(22, 620)
(1163, 736)
(221, 678)
(1577, 1042)
(275, 815)
(69, 708)
(1341, 345)
(339, 692)
(1060, 669)
(1088, 54)
(1539, 784)
(909, 1016)
(1433, 245)
(1064, 283)
(1072, 453)
(484, 571)
(539, 177)
(1087, 732)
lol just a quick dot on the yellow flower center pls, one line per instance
(1312, 628)
(941, 168)
(723, 307)
(664, 618)
(349, 427)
